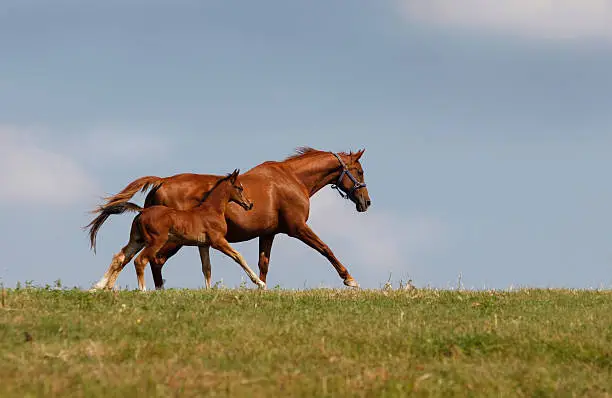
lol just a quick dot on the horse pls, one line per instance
(281, 191)
(203, 226)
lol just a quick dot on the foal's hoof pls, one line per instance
(261, 285)
(351, 283)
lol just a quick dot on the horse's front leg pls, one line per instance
(167, 251)
(307, 235)
(265, 247)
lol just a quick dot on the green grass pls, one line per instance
(246, 343)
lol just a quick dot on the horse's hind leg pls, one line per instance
(223, 246)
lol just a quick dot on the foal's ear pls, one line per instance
(234, 175)
(358, 155)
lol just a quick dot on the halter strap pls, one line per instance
(356, 184)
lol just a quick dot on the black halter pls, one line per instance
(356, 184)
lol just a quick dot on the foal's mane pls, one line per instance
(211, 190)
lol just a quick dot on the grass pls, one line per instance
(245, 343)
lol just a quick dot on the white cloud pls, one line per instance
(547, 19)
(32, 173)
(375, 242)
(109, 145)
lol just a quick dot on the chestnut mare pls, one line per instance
(281, 192)
(202, 226)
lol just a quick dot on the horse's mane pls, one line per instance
(301, 151)
(304, 151)
(210, 191)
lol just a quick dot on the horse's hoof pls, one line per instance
(261, 285)
(351, 283)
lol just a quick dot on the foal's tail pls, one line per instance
(96, 223)
(118, 204)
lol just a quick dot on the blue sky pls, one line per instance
(487, 134)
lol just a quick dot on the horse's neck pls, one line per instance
(315, 172)
(217, 200)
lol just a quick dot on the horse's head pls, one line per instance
(351, 183)
(237, 191)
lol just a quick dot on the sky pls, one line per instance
(487, 129)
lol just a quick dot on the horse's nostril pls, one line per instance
(368, 202)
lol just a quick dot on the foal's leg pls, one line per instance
(224, 247)
(307, 235)
(140, 264)
(167, 251)
(265, 247)
(129, 254)
(206, 266)
(149, 254)
(119, 262)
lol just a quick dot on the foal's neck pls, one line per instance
(217, 200)
(317, 171)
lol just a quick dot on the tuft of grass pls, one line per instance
(367, 343)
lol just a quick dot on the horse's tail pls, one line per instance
(118, 204)
(142, 184)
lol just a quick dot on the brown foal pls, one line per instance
(203, 226)
(282, 191)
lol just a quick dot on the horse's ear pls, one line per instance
(359, 154)
(234, 175)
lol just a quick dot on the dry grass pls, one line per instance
(242, 342)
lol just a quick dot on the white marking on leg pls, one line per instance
(120, 261)
(101, 283)
(254, 278)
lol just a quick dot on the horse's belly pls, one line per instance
(240, 229)
(241, 234)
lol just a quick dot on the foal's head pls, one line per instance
(237, 191)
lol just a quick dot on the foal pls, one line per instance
(203, 226)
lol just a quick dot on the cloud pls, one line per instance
(33, 173)
(544, 19)
(112, 145)
(376, 242)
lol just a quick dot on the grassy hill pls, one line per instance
(246, 343)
